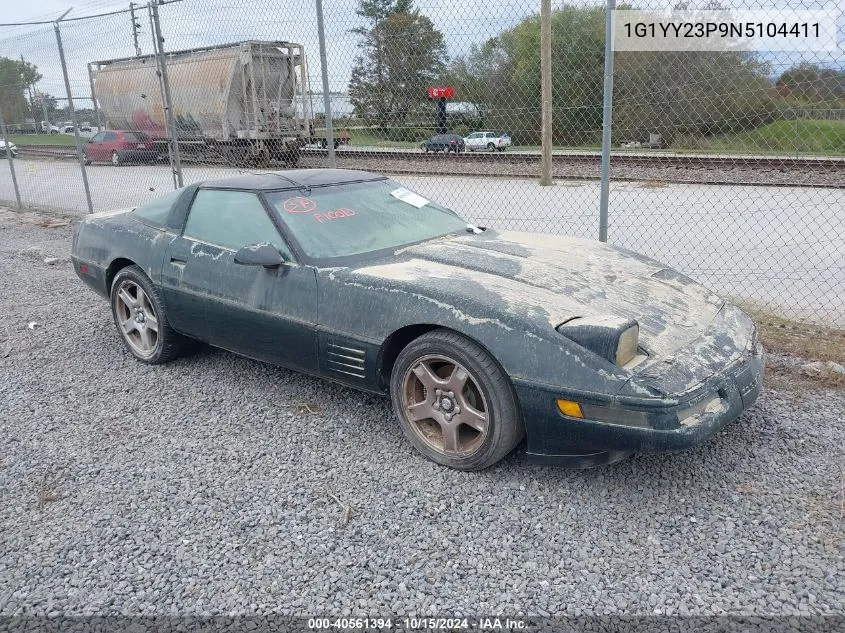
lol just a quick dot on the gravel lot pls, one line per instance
(201, 487)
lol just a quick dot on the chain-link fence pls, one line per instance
(729, 166)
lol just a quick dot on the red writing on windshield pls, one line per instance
(333, 215)
(300, 205)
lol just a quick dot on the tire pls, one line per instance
(87, 161)
(167, 343)
(491, 147)
(470, 429)
(116, 160)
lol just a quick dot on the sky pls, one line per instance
(206, 22)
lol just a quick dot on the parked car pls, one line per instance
(119, 147)
(489, 141)
(11, 147)
(47, 127)
(444, 143)
(68, 129)
(479, 337)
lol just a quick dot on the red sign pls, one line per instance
(436, 92)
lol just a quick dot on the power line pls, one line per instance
(84, 17)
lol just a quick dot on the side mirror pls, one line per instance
(259, 255)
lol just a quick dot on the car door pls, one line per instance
(108, 145)
(93, 150)
(264, 313)
(472, 141)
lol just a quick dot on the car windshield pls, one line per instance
(350, 219)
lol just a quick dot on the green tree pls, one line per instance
(12, 100)
(402, 53)
(502, 77)
(478, 76)
(690, 93)
(29, 77)
(654, 92)
(810, 83)
(375, 11)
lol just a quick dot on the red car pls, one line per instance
(120, 147)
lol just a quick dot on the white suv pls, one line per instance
(489, 141)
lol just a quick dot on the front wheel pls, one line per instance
(115, 159)
(491, 147)
(138, 312)
(454, 402)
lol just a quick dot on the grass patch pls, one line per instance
(825, 138)
(803, 137)
(42, 139)
(371, 138)
(804, 341)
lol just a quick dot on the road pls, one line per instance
(783, 247)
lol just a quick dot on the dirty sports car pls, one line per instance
(480, 338)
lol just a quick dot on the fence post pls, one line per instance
(9, 156)
(172, 139)
(327, 105)
(79, 153)
(607, 118)
(546, 91)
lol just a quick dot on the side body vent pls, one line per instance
(350, 361)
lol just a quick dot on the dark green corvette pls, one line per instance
(480, 338)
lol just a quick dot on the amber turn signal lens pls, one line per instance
(570, 408)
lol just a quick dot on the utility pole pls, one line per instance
(29, 93)
(327, 100)
(44, 112)
(546, 91)
(136, 26)
(79, 153)
(8, 142)
(170, 123)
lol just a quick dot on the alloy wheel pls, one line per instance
(137, 318)
(445, 406)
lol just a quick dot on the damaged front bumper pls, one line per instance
(673, 424)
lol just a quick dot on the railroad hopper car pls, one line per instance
(247, 102)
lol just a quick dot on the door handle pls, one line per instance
(178, 260)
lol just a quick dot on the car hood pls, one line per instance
(559, 278)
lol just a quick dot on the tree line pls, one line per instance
(673, 94)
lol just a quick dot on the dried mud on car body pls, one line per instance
(202, 485)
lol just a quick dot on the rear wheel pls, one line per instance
(138, 312)
(116, 160)
(455, 404)
(491, 147)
